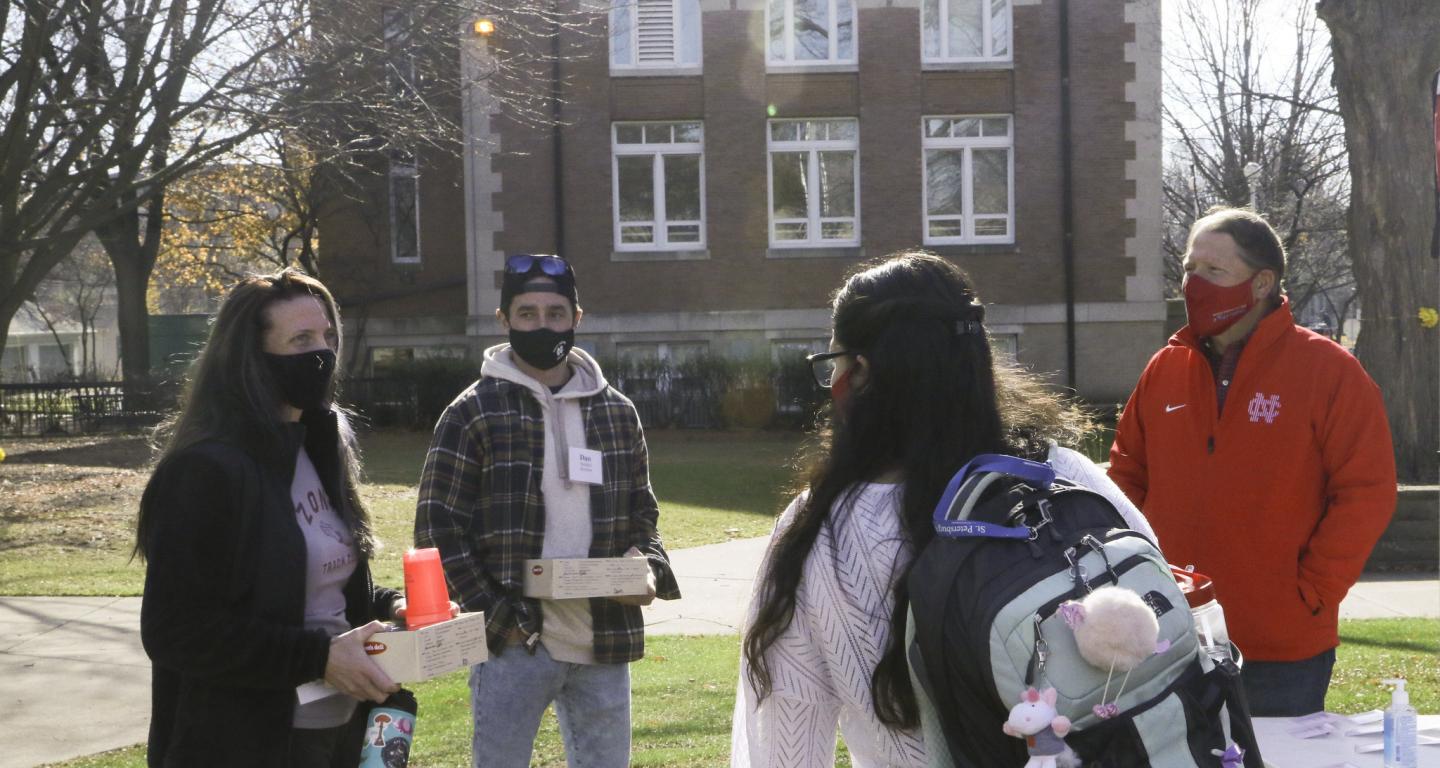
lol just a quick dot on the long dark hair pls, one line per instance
(933, 399)
(232, 396)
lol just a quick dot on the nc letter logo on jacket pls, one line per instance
(1264, 408)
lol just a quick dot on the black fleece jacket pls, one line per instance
(222, 618)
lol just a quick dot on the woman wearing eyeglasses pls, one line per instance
(915, 393)
(257, 546)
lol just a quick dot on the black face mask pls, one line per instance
(542, 347)
(304, 378)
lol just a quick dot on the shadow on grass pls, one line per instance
(124, 453)
(394, 457)
(729, 472)
(1414, 646)
(689, 729)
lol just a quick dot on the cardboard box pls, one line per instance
(409, 656)
(561, 579)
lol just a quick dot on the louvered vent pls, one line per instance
(656, 44)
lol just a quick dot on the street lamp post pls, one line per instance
(1252, 182)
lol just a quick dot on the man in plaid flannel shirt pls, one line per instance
(498, 489)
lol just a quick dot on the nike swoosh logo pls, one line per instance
(1169, 408)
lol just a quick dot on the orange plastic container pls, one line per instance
(426, 599)
(1197, 587)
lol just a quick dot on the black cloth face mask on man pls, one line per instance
(542, 347)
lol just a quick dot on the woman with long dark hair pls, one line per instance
(916, 394)
(256, 545)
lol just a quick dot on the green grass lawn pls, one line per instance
(683, 692)
(712, 488)
(684, 688)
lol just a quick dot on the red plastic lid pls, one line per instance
(1197, 587)
(427, 600)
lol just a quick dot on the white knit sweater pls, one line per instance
(820, 667)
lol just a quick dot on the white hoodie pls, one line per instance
(567, 633)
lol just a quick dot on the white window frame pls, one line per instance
(813, 148)
(986, 37)
(678, 37)
(967, 216)
(833, 38)
(396, 27)
(1005, 343)
(417, 353)
(659, 224)
(803, 346)
(401, 170)
(665, 351)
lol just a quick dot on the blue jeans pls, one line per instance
(509, 694)
(1288, 688)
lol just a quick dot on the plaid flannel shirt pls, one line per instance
(481, 506)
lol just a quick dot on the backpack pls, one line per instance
(1014, 544)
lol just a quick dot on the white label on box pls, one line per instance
(409, 656)
(585, 466)
(564, 579)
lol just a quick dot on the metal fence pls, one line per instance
(80, 408)
(667, 400)
(664, 399)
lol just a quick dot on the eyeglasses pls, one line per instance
(822, 367)
(522, 263)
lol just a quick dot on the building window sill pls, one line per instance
(693, 255)
(974, 249)
(817, 252)
(776, 68)
(968, 66)
(656, 72)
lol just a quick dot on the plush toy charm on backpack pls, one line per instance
(1034, 719)
(1116, 631)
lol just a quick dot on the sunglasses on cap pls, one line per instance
(522, 263)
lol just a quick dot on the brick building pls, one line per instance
(723, 163)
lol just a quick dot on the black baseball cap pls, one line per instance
(537, 273)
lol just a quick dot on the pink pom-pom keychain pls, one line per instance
(1115, 630)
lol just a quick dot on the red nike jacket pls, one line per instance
(1281, 497)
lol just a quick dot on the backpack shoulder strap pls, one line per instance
(953, 513)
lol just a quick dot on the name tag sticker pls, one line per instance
(585, 466)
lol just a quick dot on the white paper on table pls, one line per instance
(1422, 723)
(1380, 745)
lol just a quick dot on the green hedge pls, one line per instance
(704, 392)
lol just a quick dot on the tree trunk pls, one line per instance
(131, 281)
(1385, 56)
(132, 254)
(5, 318)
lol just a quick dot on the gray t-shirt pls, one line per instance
(569, 634)
(331, 559)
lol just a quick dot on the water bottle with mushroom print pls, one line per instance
(389, 732)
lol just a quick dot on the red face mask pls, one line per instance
(840, 389)
(1211, 309)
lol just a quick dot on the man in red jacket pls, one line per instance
(1261, 454)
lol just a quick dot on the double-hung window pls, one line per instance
(814, 182)
(810, 32)
(404, 180)
(969, 167)
(655, 34)
(659, 185)
(404, 213)
(965, 31)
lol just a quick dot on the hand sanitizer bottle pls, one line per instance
(1400, 729)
